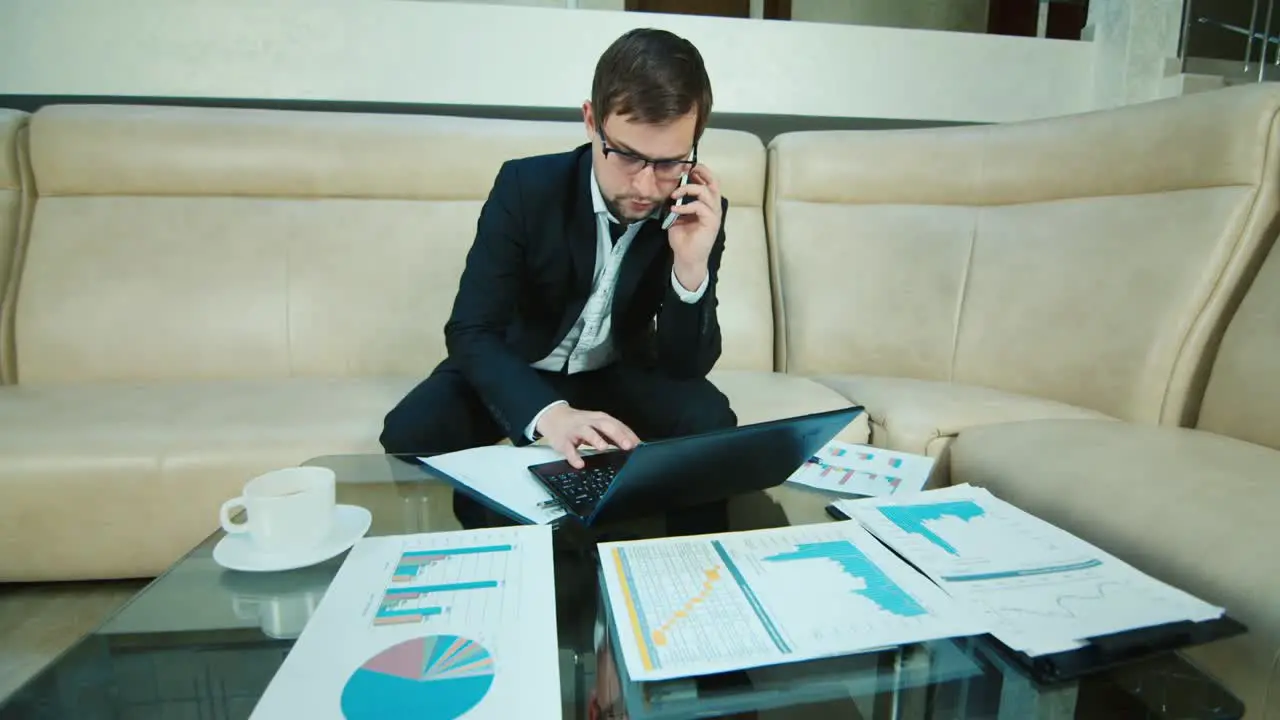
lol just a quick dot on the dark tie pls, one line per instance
(616, 231)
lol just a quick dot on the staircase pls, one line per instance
(1226, 42)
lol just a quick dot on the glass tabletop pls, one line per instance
(203, 642)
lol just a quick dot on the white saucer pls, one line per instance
(350, 523)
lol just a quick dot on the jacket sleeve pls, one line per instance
(484, 308)
(688, 334)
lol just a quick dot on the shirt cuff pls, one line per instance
(685, 295)
(532, 429)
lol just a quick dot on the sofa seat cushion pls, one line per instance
(759, 396)
(119, 480)
(923, 416)
(1189, 507)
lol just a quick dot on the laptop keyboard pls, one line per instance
(582, 489)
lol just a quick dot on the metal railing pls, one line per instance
(1242, 45)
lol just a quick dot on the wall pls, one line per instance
(957, 15)
(464, 54)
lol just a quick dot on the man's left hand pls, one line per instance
(693, 235)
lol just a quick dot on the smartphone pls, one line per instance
(670, 218)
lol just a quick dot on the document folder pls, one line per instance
(498, 478)
(1111, 651)
(1105, 652)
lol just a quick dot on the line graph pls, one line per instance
(1062, 610)
(687, 601)
(1108, 598)
(699, 605)
(713, 576)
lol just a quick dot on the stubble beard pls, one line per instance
(615, 206)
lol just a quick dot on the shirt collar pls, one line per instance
(597, 199)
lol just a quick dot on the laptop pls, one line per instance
(691, 470)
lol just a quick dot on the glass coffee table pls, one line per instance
(202, 642)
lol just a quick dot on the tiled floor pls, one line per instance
(37, 622)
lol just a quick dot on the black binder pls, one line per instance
(1111, 651)
(1107, 651)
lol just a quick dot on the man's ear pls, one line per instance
(589, 120)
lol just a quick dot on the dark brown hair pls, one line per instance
(652, 76)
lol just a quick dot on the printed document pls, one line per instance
(457, 623)
(501, 474)
(1039, 588)
(715, 603)
(841, 467)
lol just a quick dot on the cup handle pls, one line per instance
(225, 516)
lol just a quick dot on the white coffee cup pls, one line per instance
(289, 509)
(282, 616)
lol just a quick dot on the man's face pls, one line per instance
(633, 194)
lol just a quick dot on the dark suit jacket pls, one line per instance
(528, 276)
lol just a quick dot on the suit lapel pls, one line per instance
(582, 228)
(583, 244)
(644, 247)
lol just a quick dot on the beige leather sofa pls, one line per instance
(207, 293)
(13, 201)
(1195, 507)
(1077, 267)
(1052, 298)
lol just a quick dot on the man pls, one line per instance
(578, 318)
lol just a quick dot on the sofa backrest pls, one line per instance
(1089, 259)
(1242, 399)
(12, 201)
(195, 243)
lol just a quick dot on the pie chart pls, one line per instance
(437, 677)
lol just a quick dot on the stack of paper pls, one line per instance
(716, 603)
(841, 467)
(1040, 589)
(447, 624)
(499, 475)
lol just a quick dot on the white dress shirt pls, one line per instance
(589, 343)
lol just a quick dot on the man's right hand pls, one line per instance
(566, 428)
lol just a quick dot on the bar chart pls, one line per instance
(413, 563)
(426, 584)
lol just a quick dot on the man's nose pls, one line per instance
(645, 182)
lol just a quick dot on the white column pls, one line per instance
(1136, 48)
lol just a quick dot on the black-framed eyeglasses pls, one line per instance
(633, 163)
